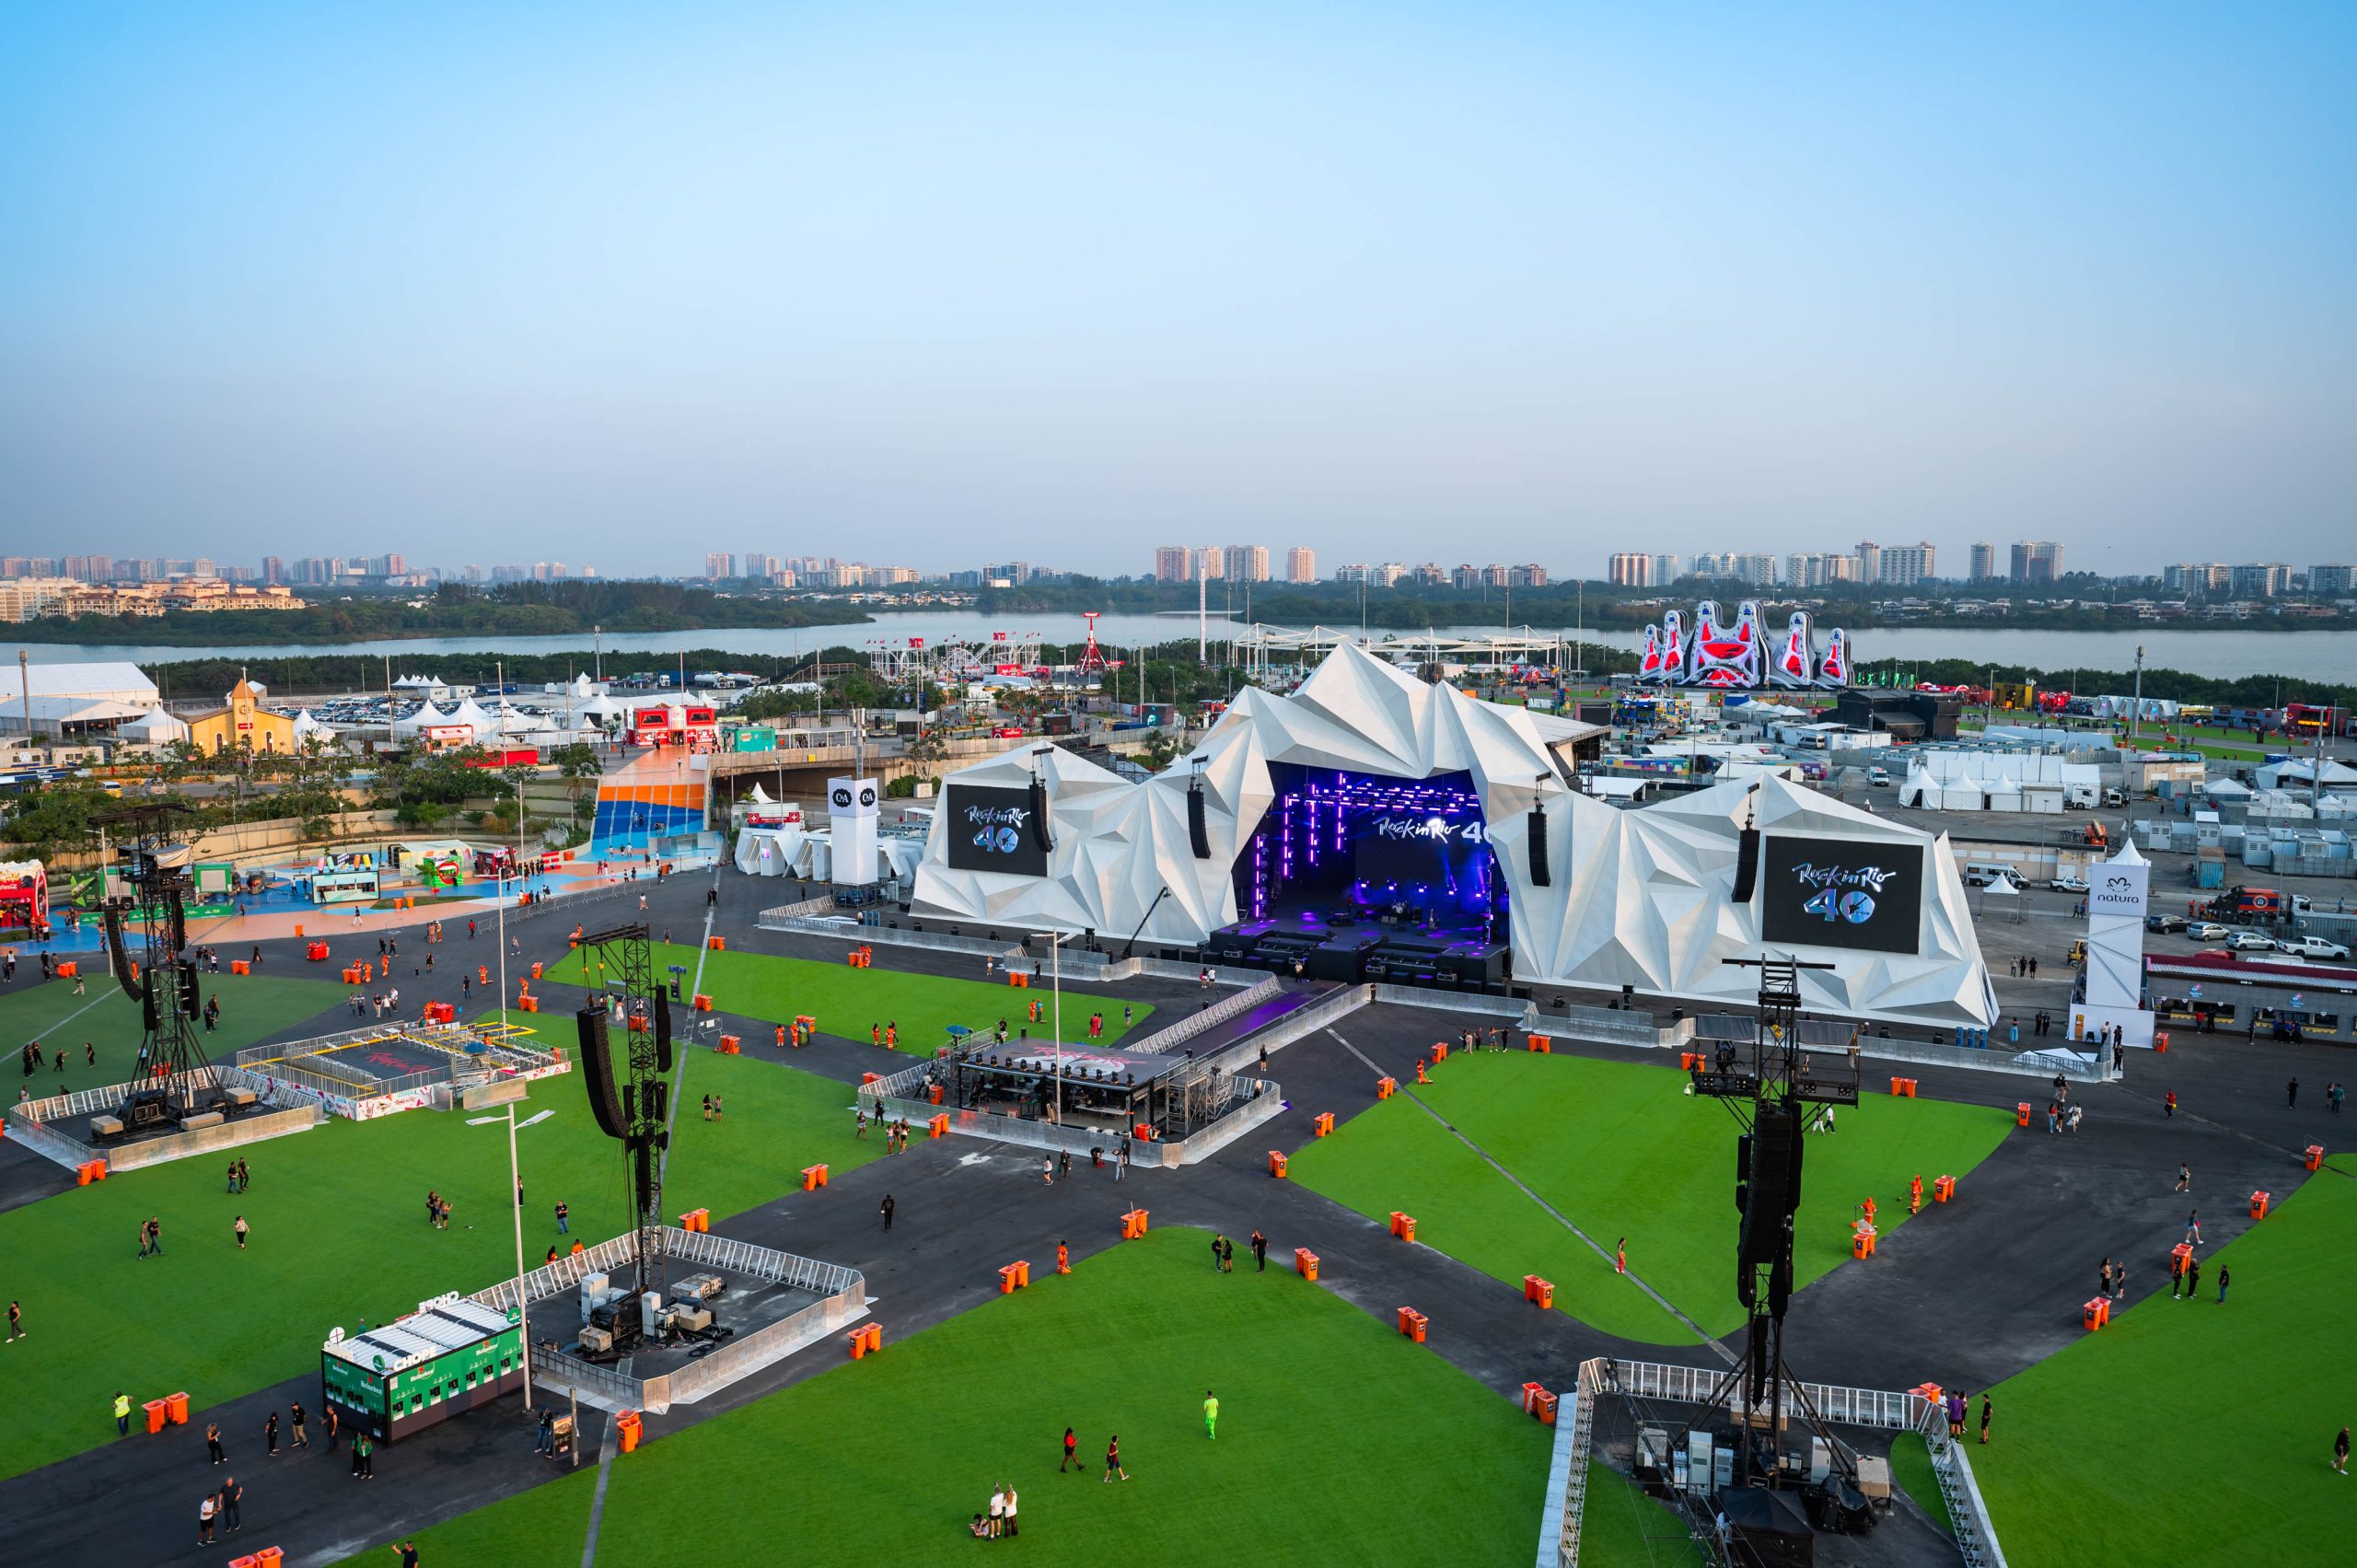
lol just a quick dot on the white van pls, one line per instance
(1983, 873)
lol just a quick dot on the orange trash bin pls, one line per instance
(1325, 1124)
(2316, 1155)
(2092, 1314)
(2021, 1114)
(939, 1126)
(176, 1409)
(2258, 1205)
(157, 1410)
(269, 1557)
(628, 1425)
(1304, 1263)
(1384, 1087)
(1277, 1164)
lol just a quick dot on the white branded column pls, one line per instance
(2115, 988)
(851, 830)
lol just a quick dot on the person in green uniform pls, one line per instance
(1210, 1415)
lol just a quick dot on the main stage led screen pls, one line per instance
(1414, 849)
(991, 829)
(1841, 893)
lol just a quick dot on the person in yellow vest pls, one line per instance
(121, 1413)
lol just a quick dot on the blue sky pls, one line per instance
(948, 284)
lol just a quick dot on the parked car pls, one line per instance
(2206, 931)
(2251, 941)
(2069, 884)
(2312, 948)
(2164, 924)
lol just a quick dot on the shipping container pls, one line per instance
(448, 1356)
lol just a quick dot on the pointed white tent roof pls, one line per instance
(425, 716)
(1637, 897)
(156, 724)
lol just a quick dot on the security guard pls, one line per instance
(121, 1413)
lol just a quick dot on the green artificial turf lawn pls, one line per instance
(339, 1232)
(846, 1001)
(1339, 1441)
(2188, 1423)
(253, 1007)
(1620, 1150)
(1622, 1527)
(1910, 1467)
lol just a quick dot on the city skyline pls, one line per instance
(1531, 282)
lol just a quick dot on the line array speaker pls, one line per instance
(1039, 833)
(1199, 833)
(1539, 875)
(662, 1030)
(597, 1072)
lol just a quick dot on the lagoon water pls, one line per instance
(2317, 655)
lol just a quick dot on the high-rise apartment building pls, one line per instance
(2196, 576)
(2260, 580)
(2332, 582)
(1245, 562)
(2038, 560)
(1904, 566)
(1301, 565)
(1174, 563)
(719, 564)
(1869, 562)
(1629, 569)
(1757, 569)
(1667, 569)
(1530, 574)
(1984, 561)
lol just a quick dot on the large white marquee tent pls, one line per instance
(1640, 897)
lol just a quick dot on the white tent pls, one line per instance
(477, 717)
(1642, 898)
(426, 717)
(155, 727)
(771, 852)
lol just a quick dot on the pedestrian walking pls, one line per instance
(2183, 1180)
(213, 1441)
(270, 1433)
(1984, 1418)
(2193, 1228)
(231, 1495)
(334, 1424)
(1072, 1442)
(242, 1228)
(1210, 1415)
(294, 1426)
(2340, 1452)
(16, 1323)
(564, 1218)
(1113, 1454)
(1048, 1169)
(205, 1512)
(2222, 1277)
(887, 1213)
(1063, 1164)
(2168, 1105)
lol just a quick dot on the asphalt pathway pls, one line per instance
(1971, 1293)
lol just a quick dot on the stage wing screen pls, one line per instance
(990, 830)
(1842, 893)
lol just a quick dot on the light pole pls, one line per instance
(1056, 940)
(523, 1318)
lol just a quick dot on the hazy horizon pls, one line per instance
(1490, 282)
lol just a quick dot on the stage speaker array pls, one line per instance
(1040, 836)
(662, 1030)
(1199, 833)
(1746, 864)
(597, 1072)
(1770, 1192)
(1539, 875)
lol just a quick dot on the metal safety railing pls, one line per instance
(1836, 1404)
(1166, 1041)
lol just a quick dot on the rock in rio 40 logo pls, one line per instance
(998, 830)
(1843, 892)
